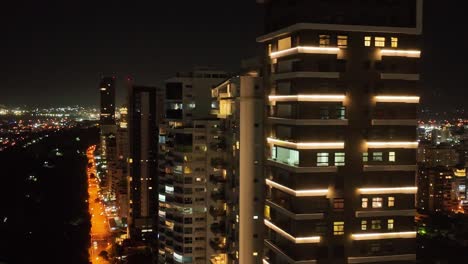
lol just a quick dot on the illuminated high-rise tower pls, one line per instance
(341, 85)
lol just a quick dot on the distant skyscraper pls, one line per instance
(342, 85)
(107, 89)
(143, 179)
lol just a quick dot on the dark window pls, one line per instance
(174, 91)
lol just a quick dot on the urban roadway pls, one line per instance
(100, 232)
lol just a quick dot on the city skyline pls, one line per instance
(63, 51)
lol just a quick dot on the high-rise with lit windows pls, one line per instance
(142, 159)
(107, 92)
(192, 167)
(341, 86)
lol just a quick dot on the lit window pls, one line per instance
(338, 203)
(340, 159)
(338, 228)
(284, 43)
(379, 41)
(365, 157)
(377, 156)
(255, 253)
(392, 156)
(391, 201)
(364, 202)
(367, 41)
(342, 41)
(390, 223)
(266, 212)
(394, 42)
(322, 159)
(285, 155)
(363, 225)
(376, 224)
(324, 40)
(377, 202)
(270, 49)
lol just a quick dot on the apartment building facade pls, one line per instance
(342, 89)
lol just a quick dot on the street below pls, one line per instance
(100, 231)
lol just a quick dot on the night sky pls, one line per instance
(53, 52)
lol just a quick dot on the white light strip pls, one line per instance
(411, 145)
(297, 240)
(307, 145)
(307, 98)
(397, 99)
(401, 53)
(375, 236)
(298, 193)
(265, 262)
(405, 190)
(300, 49)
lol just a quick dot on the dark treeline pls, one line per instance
(43, 210)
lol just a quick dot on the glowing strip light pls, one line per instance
(405, 190)
(375, 236)
(265, 262)
(300, 49)
(397, 99)
(298, 193)
(401, 53)
(297, 240)
(307, 98)
(307, 145)
(411, 145)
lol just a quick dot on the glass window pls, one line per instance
(338, 203)
(377, 156)
(284, 43)
(363, 225)
(322, 159)
(374, 247)
(367, 41)
(394, 42)
(364, 202)
(340, 159)
(390, 223)
(365, 157)
(341, 112)
(391, 201)
(377, 202)
(342, 41)
(379, 41)
(285, 155)
(324, 40)
(338, 228)
(392, 156)
(376, 224)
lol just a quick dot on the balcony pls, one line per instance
(400, 76)
(296, 75)
(218, 244)
(308, 122)
(174, 113)
(217, 178)
(379, 259)
(218, 146)
(394, 122)
(218, 228)
(304, 50)
(183, 149)
(297, 169)
(218, 196)
(216, 211)
(218, 163)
